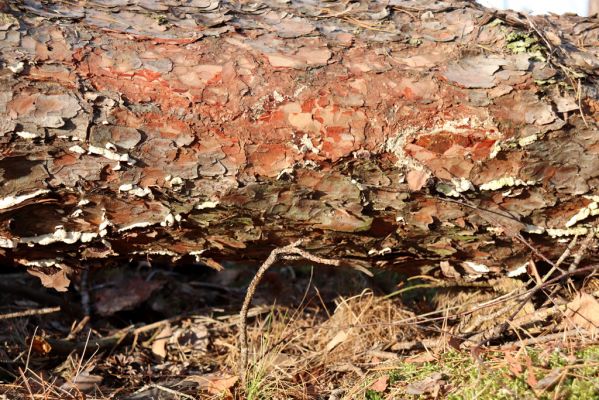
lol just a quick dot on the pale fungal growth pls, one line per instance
(455, 187)
(518, 271)
(169, 220)
(16, 68)
(476, 267)
(87, 237)
(67, 137)
(357, 184)
(534, 229)
(278, 97)
(140, 192)
(381, 252)
(474, 270)
(285, 172)
(134, 190)
(176, 181)
(527, 140)
(307, 145)
(44, 262)
(196, 254)
(495, 150)
(7, 243)
(140, 224)
(583, 213)
(495, 230)
(11, 201)
(60, 234)
(28, 135)
(299, 90)
(107, 153)
(160, 252)
(591, 209)
(456, 126)
(505, 181)
(462, 185)
(395, 144)
(206, 204)
(580, 231)
(77, 149)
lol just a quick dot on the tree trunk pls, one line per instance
(402, 133)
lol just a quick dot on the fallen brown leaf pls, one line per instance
(381, 384)
(583, 312)
(214, 383)
(57, 281)
(159, 344)
(430, 385)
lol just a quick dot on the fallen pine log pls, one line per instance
(400, 134)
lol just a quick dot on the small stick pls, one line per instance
(582, 250)
(562, 258)
(538, 32)
(499, 329)
(170, 391)
(291, 251)
(27, 313)
(528, 319)
(543, 339)
(579, 95)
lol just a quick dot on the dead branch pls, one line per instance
(586, 243)
(496, 331)
(27, 313)
(529, 319)
(544, 339)
(291, 250)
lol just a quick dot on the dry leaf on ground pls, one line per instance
(381, 384)
(430, 385)
(159, 344)
(583, 312)
(214, 383)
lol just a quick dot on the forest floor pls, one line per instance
(314, 333)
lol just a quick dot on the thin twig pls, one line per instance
(561, 258)
(281, 252)
(538, 32)
(537, 316)
(582, 250)
(543, 339)
(27, 313)
(170, 391)
(579, 95)
(65, 346)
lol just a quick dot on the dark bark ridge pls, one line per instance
(215, 130)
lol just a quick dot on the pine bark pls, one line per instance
(397, 134)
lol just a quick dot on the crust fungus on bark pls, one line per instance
(213, 129)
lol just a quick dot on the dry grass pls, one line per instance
(319, 345)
